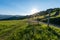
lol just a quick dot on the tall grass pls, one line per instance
(20, 30)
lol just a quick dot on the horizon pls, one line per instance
(26, 7)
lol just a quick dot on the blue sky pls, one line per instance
(24, 7)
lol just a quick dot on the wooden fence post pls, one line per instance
(48, 19)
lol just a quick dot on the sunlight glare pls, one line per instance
(34, 11)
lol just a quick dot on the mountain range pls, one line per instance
(11, 17)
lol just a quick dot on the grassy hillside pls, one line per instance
(20, 30)
(54, 19)
(54, 16)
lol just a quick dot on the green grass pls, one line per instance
(20, 30)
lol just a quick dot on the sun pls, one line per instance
(34, 11)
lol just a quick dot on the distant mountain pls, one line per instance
(11, 17)
(5, 16)
(15, 18)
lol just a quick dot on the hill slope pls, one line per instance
(20, 30)
(11, 17)
(54, 16)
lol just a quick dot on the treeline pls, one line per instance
(51, 10)
(54, 15)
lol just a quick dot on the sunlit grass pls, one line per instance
(21, 30)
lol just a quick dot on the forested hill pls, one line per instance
(51, 10)
(54, 15)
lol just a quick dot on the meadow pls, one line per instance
(21, 30)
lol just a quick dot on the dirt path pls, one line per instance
(44, 23)
(51, 24)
